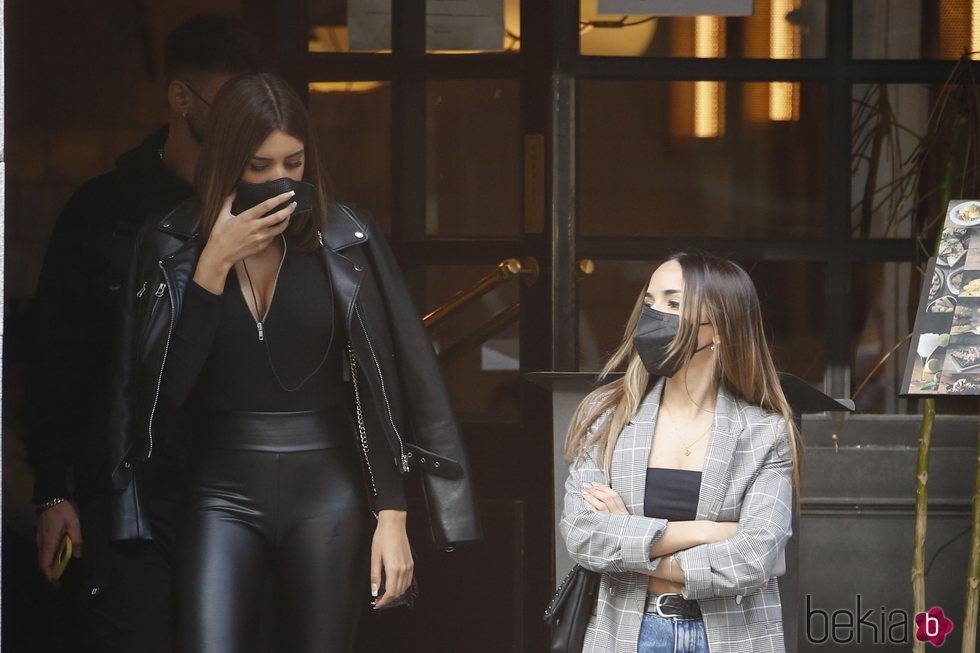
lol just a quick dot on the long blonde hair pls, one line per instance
(722, 291)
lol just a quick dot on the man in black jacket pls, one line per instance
(125, 593)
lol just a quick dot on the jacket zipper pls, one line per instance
(139, 293)
(166, 349)
(384, 393)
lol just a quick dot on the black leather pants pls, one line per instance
(277, 514)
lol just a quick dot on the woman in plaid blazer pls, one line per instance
(700, 395)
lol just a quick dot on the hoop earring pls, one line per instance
(712, 347)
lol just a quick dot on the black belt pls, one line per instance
(304, 430)
(673, 605)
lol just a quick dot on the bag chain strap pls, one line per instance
(362, 431)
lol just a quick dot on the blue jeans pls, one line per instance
(666, 635)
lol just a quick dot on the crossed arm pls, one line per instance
(676, 536)
(710, 558)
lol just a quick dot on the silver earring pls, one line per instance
(712, 347)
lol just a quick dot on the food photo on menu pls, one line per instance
(945, 354)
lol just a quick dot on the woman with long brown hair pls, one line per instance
(275, 323)
(681, 476)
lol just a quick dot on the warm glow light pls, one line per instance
(707, 123)
(707, 41)
(975, 29)
(344, 87)
(708, 105)
(629, 41)
(782, 100)
(784, 43)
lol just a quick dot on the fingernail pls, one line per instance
(291, 193)
(294, 204)
(374, 590)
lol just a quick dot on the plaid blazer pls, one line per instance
(747, 477)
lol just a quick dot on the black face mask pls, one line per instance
(248, 195)
(655, 332)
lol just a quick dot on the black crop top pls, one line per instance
(672, 494)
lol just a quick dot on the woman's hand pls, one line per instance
(603, 498)
(234, 237)
(390, 556)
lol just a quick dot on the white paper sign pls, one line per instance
(676, 7)
(449, 24)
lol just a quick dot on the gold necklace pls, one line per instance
(687, 447)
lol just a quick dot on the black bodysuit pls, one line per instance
(276, 485)
(217, 362)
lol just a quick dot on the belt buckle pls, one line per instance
(657, 607)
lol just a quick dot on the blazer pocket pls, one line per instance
(762, 607)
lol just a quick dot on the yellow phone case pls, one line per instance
(62, 558)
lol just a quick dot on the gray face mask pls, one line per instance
(655, 332)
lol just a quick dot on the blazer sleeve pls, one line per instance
(747, 560)
(602, 541)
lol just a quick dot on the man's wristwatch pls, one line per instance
(51, 503)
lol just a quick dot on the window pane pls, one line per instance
(915, 29)
(777, 29)
(702, 159)
(791, 293)
(909, 150)
(482, 379)
(350, 26)
(462, 26)
(474, 158)
(452, 26)
(353, 125)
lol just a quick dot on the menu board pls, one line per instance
(944, 357)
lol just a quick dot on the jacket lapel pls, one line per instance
(629, 470)
(729, 423)
(344, 230)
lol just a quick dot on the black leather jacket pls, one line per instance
(405, 397)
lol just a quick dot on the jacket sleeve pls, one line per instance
(124, 366)
(427, 406)
(602, 541)
(190, 343)
(747, 560)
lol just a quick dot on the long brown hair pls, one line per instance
(246, 110)
(722, 291)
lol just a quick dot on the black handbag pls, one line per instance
(570, 610)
